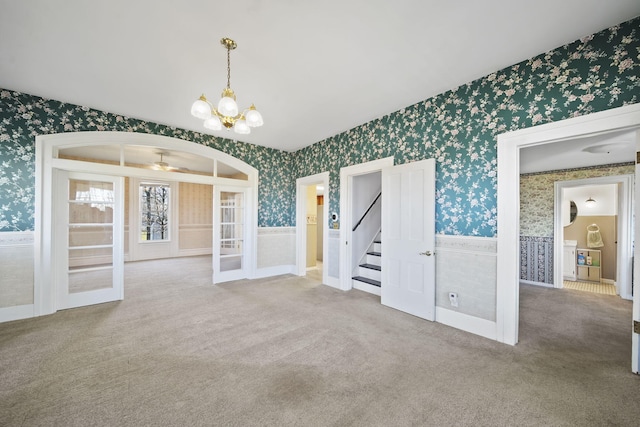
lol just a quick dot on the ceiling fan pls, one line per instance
(161, 165)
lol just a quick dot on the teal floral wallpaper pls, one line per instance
(23, 117)
(459, 127)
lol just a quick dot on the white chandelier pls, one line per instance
(227, 113)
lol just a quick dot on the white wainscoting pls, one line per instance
(467, 265)
(276, 251)
(16, 275)
(195, 239)
(334, 256)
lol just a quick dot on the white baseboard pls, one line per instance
(475, 325)
(334, 282)
(18, 312)
(529, 282)
(276, 270)
(194, 252)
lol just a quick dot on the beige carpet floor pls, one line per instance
(595, 287)
(288, 351)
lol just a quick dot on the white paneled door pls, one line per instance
(88, 238)
(408, 238)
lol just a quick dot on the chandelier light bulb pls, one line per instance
(201, 108)
(241, 127)
(253, 117)
(228, 107)
(213, 123)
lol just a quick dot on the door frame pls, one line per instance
(47, 147)
(624, 246)
(301, 220)
(347, 174)
(508, 200)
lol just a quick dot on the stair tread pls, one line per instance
(367, 280)
(374, 253)
(371, 266)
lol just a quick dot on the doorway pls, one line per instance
(603, 210)
(347, 211)
(120, 154)
(509, 145)
(312, 231)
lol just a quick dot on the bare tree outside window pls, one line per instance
(154, 212)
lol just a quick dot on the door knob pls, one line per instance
(427, 253)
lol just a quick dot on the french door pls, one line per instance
(88, 258)
(229, 233)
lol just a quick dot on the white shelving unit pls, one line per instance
(589, 264)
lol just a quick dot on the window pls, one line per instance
(154, 212)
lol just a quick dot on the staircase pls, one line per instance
(369, 273)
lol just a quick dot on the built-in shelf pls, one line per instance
(589, 264)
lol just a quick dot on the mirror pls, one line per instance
(573, 212)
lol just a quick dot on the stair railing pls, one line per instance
(367, 211)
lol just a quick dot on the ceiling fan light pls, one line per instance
(201, 108)
(253, 117)
(213, 123)
(228, 107)
(241, 127)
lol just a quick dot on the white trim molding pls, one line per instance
(508, 198)
(475, 325)
(624, 245)
(47, 164)
(301, 223)
(346, 184)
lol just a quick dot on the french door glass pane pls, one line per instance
(90, 235)
(90, 202)
(231, 230)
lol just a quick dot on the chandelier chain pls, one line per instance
(228, 68)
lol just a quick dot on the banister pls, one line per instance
(367, 211)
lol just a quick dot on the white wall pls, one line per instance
(606, 197)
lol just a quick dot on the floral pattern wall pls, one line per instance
(537, 194)
(459, 127)
(536, 216)
(23, 117)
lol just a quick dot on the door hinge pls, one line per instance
(636, 327)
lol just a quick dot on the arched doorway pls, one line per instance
(88, 162)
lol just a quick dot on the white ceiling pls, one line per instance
(606, 149)
(314, 69)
